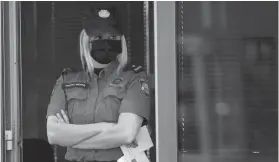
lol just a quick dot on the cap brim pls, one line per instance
(99, 31)
(98, 28)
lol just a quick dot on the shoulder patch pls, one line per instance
(144, 87)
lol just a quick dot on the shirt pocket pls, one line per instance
(76, 102)
(112, 96)
(117, 91)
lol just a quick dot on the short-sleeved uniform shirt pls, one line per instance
(99, 99)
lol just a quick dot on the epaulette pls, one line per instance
(137, 68)
(68, 70)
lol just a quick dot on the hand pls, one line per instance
(64, 118)
(134, 144)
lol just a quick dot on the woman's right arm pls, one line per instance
(65, 134)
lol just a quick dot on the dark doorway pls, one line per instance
(49, 36)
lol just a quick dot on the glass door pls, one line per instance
(216, 81)
(227, 81)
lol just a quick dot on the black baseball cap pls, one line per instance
(101, 20)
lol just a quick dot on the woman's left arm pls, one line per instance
(124, 132)
(134, 110)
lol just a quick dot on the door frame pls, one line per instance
(165, 87)
(2, 142)
(10, 95)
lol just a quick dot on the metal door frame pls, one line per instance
(16, 82)
(10, 84)
(1, 91)
(165, 81)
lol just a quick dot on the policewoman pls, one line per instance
(94, 111)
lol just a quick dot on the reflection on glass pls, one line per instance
(227, 85)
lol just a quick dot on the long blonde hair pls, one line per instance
(87, 60)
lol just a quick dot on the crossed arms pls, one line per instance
(93, 136)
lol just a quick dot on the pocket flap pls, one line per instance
(77, 93)
(118, 92)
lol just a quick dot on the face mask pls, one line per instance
(105, 51)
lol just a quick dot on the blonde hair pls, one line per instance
(87, 60)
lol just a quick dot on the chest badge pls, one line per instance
(117, 82)
(144, 87)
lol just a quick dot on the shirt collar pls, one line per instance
(109, 69)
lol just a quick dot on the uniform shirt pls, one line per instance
(99, 99)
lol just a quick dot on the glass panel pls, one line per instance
(227, 81)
